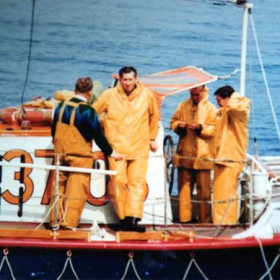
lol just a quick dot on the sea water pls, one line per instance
(95, 38)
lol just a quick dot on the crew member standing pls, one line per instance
(194, 122)
(74, 126)
(232, 143)
(131, 121)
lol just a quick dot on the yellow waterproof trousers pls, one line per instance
(69, 197)
(225, 194)
(73, 191)
(186, 180)
(128, 189)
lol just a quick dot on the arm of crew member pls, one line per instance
(176, 124)
(207, 129)
(153, 145)
(238, 107)
(153, 122)
(116, 156)
(100, 104)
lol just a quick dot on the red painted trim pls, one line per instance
(201, 244)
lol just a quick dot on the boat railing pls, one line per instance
(255, 175)
(255, 186)
(59, 168)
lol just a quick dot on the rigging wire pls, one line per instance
(264, 76)
(29, 51)
(252, 95)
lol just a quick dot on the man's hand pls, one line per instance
(193, 126)
(116, 156)
(153, 145)
(182, 124)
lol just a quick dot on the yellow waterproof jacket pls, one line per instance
(130, 122)
(194, 148)
(232, 130)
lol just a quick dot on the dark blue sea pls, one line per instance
(95, 38)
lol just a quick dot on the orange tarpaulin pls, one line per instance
(173, 81)
(177, 80)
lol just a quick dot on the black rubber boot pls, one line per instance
(131, 224)
(117, 227)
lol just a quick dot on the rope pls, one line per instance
(193, 261)
(130, 261)
(225, 160)
(29, 52)
(264, 258)
(215, 160)
(271, 267)
(230, 75)
(5, 259)
(264, 76)
(217, 232)
(156, 201)
(69, 254)
(48, 213)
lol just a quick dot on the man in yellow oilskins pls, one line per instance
(232, 142)
(194, 122)
(131, 121)
(75, 124)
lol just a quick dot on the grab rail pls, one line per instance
(62, 168)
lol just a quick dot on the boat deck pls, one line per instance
(173, 237)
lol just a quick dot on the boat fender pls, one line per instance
(261, 190)
(98, 196)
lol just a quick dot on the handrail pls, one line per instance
(62, 168)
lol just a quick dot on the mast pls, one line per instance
(247, 8)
